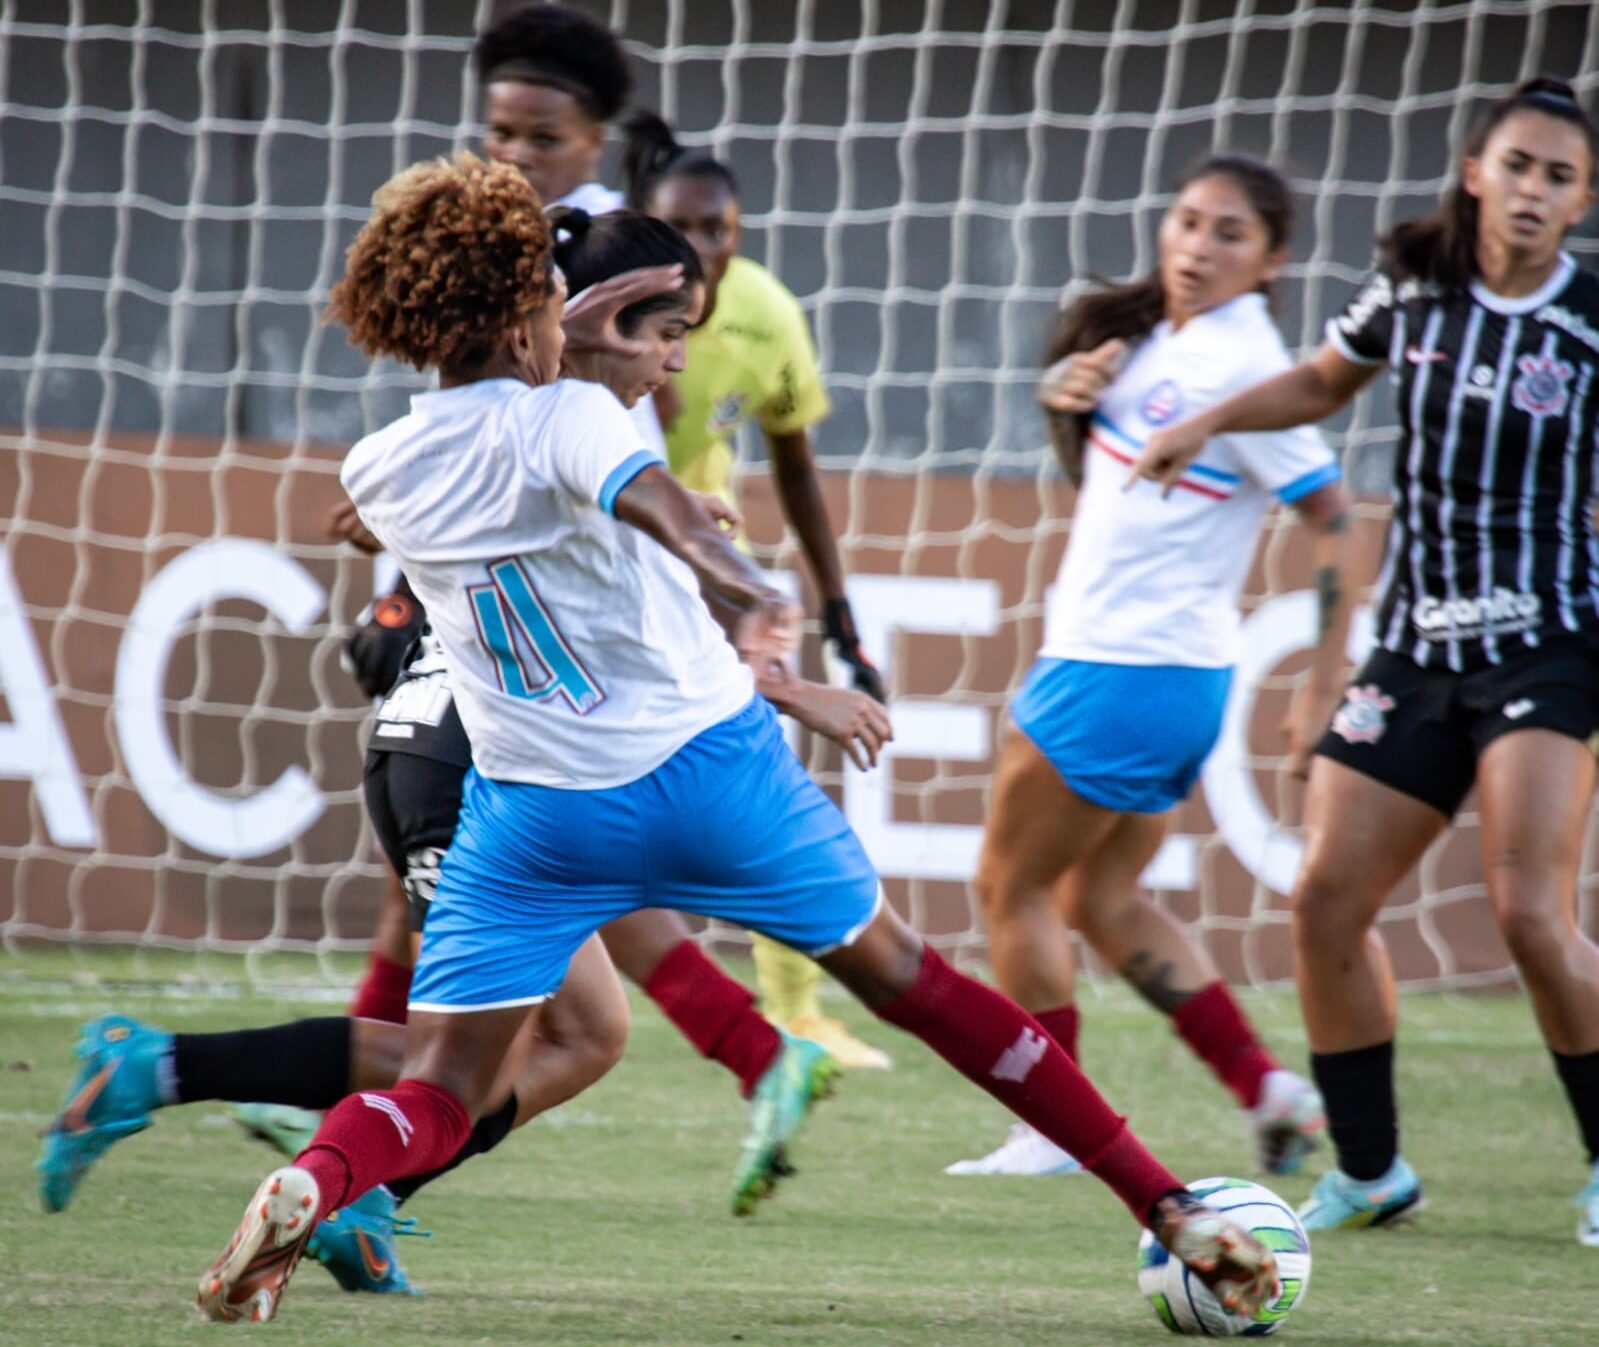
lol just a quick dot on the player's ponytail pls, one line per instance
(651, 154)
(1130, 311)
(593, 248)
(1441, 248)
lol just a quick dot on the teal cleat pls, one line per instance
(803, 1073)
(1339, 1202)
(111, 1097)
(287, 1128)
(1587, 1204)
(356, 1244)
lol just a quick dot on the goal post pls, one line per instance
(180, 751)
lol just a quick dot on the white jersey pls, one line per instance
(1152, 580)
(580, 651)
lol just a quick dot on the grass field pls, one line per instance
(605, 1222)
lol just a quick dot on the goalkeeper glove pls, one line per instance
(375, 651)
(839, 625)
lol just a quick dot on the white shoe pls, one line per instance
(1026, 1152)
(1587, 1202)
(1286, 1121)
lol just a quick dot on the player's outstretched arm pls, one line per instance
(768, 625)
(1311, 391)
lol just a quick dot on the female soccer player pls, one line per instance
(750, 356)
(562, 568)
(417, 759)
(1125, 702)
(1485, 672)
(553, 80)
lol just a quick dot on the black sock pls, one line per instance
(306, 1063)
(491, 1129)
(1358, 1089)
(1580, 1076)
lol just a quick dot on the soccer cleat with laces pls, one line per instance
(1026, 1152)
(248, 1280)
(803, 1073)
(283, 1126)
(851, 1053)
(1338, 1202)
(111, 1097)
(1587, 1204)
(356, 1244)
(1240, 1271)
(1287, 1121)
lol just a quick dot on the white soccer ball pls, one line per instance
(1184, 1303)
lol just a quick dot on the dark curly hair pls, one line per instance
(454, 256)
(559, 47)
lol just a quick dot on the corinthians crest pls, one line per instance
(1543, 388)
(1364, 715)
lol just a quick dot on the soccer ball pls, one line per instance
(1184, 1303)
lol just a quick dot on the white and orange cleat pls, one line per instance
(1240, 1271)
(247, 1281)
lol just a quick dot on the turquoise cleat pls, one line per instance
(283, 1126)
(111, 1097)
(1338, 1202)
(356, 1244)
(1587, 1204)
(803, 1073)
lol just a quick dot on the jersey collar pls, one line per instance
(1526, 303)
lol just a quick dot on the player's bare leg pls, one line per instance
(1535, 791)
(1100, 897)
(1002, 1049)
(1361, 839)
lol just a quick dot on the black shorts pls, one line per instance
(414, 804)
(1422, 730)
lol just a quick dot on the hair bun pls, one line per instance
(568, 223)
(1547, 86)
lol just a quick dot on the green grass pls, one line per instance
(605, 1222)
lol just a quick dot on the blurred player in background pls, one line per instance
(1486, 672)
(1125, 702)
(751, 357)
(512, 498)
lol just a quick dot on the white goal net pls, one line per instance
(180, 753)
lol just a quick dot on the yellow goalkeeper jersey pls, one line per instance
(752, 358)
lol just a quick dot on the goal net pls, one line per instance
(180, 752)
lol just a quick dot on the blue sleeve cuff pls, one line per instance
(1313, 480)
(623, 473)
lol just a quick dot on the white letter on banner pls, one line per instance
(229, 568)
(34, 746)
(1271, 633)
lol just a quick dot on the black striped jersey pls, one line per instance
(418, 715)
(1491, 549)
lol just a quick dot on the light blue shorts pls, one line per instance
(1128, 737)
(730, 827)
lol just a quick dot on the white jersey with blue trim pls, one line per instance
(1151, 579)
(580, 651)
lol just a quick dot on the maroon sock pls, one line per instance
(383, 991)
(715, 1013)
(998, 1045)
(1061, 1025)
(1213, 1024)
(383, 1134)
